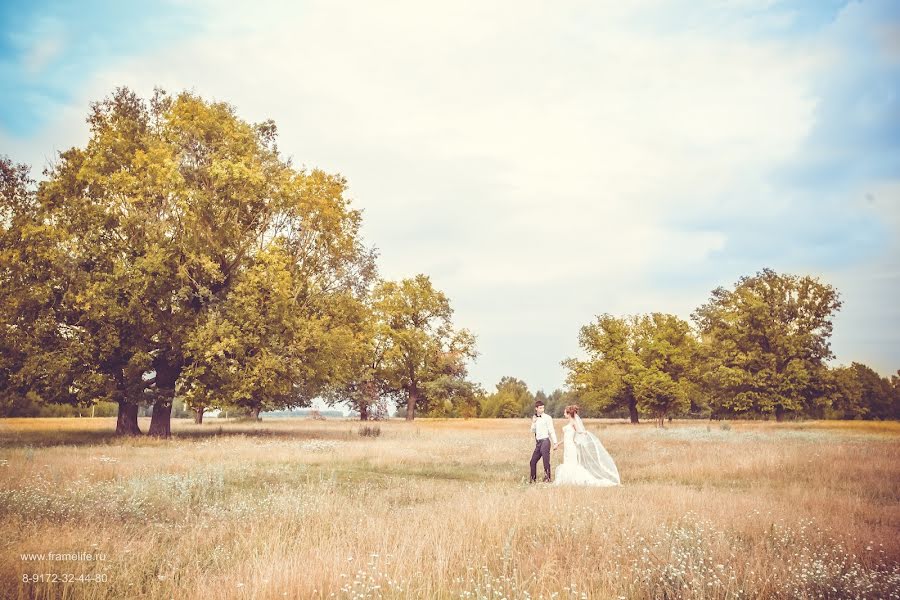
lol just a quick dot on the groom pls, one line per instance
(544, 434)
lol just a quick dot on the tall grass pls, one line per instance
(311, 509)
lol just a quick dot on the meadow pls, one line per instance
(294, 508)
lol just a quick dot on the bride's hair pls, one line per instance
(572, 409)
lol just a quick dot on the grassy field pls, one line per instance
(310, 509)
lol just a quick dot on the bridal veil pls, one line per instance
(593, 456)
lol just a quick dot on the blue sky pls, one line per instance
(542, 163)
(48, 48)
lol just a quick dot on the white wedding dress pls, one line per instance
(585, 460)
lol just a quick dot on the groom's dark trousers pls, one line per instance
(541, 449)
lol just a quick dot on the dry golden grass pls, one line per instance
(309, 509)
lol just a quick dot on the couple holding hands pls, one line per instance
(585, 460)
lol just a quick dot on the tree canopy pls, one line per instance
(770, 338)
(422, 352)
(646, 364)
(186, 255)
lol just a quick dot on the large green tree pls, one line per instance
(601, 381)
(74, 308)
(270, 344)
(364, 388)
(645, 363)
(667, 370)
(453, 396)
(768, 339)
(845, 397)
(162, 225)
(859, 392)
(418, 340)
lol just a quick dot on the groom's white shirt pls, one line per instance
(543, 428)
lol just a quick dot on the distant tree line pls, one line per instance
(759, 350)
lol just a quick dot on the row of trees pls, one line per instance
(758, 350)
(179, 254)
(512, 399)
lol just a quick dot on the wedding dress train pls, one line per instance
(585, 460)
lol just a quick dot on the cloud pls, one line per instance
(546, 165)
(817, 210)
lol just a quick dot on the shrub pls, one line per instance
(367, 431)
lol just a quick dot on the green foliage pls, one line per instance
(647, 364)
(452, 396)
(665, 376)
(878, 394)
(600, 381)
(846, 394)
(68, 317)
(895, 403)
(767, 341)
(363, 386)
(512, 399)
(421, 354)
(30, 406)
(259, 349)
(179, 250)
(858, 392)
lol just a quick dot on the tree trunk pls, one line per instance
(779, 413)
(411, 404)
(632, 409)
(166, 377)
(127, 422)
(161, 419)
(198, 415)
(254, 413)
(369, 399)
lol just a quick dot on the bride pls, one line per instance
(585, 460)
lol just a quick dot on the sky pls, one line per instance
(543, 163)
